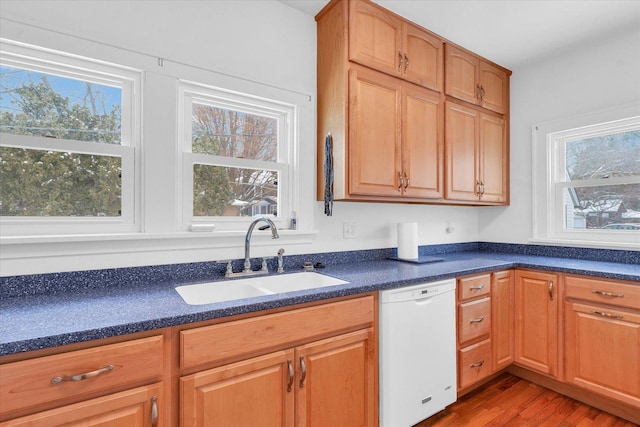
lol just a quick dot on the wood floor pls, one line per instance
(512, 401)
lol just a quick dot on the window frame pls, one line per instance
(37, 59)
(190, 93)
(549, 177)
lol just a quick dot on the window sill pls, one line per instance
(595, 244)
(48, 254)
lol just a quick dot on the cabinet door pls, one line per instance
(138, 407)
(254, 392)
(603, 351)
(536, 338)
(502, 319)
(493, 159)
(462, 70)
(337, 385)
(423, 57)
(375, 37)
(461, 139)
(374, 133)
(422, 142)
(495, 88)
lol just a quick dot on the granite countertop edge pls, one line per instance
(45, 321)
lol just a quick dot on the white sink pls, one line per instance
(212, 292)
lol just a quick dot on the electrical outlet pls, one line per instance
(349, 230)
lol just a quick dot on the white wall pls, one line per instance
(600, 75)
(259, 40)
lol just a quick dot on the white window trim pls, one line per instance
(49, 61)
(161, 239)
(547, 140)
(287, 164)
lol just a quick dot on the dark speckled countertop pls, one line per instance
(30, 322)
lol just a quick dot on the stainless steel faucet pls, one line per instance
(247, 249)
(247, 240)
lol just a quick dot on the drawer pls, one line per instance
(232, 340)
(474, 320)
(42, 380)
(603, 291)
(474, 363)
(474, 287)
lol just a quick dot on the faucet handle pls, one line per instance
(229, 269)
(280, 261)
(264, 265)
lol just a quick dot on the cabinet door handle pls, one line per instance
(400, 182)
(406, 181)
(476, 288)
(479, 189)
(550, 290)
(603, 314)
(303, 369)
(80, 377)
(406, 63)
(607, 294)
(477, 364)
(480, 92)
(291, 375)
(154, 411)
(478, 320)
(399, 61)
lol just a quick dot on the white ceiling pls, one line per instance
(511, 33)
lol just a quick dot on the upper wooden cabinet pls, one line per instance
(385, 42)
(474, 80)
(476, 156)
(395, 140)
(381, 82)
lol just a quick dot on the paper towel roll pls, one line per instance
(407, 240)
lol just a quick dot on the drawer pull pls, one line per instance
(477, 364)
(607, 294)
(291, 375)
(478, 320)
(476, 288)
(603, 314)
(80, 377)
(154, 411)
(303, 368)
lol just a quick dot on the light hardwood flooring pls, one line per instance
(512, 401)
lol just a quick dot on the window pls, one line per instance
(592, 182)
(237, 157)
(67, 150)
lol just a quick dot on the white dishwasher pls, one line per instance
(417, 369)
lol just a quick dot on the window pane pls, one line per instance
(228, 133)
(614, 207)
(34, 103)
(55, 183)
(234, 192)
(604, 156)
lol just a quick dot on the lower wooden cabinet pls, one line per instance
(327, 382)
(117, 384)
(257, 391)
(602, 338)
(328, 379)
(485, 326)
(138, 407)
(536, 321)
(502, 319)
